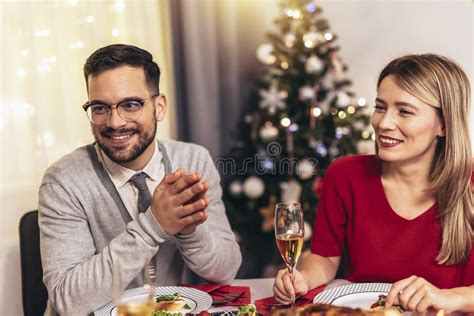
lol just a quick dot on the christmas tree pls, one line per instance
(301, 116)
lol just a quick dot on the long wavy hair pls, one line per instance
(440, 82)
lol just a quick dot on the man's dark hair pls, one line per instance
(117, 55)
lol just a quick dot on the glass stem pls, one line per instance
(292, 279)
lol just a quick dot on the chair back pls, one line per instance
(34, 293)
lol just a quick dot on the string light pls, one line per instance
(351, 109)
(328, 36)
(293, 127)
(295, 14)
(316, 112)
(46, 139)
(365, 134)
(21, 73)
(119, 5)
(342, 115)
(284, 65)
(77, 44)
(115, 32)
(42, 33)
(361, 102)
(285, 122)
(44, 68)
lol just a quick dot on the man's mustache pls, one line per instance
(108, 131)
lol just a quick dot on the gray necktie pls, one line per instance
(144, 196)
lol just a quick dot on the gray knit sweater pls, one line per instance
(84, 229)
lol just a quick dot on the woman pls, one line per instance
(406, 214)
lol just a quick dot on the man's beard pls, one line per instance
(120, 154)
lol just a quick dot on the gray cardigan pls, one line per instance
(83, 229)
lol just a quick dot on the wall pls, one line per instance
(370, 33)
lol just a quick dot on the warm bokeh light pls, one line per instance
(285, 122)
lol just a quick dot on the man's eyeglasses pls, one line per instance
(128, 110)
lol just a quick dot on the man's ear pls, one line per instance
(160, 107)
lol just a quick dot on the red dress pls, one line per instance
(381, 246)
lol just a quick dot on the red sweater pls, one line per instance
(381, 246)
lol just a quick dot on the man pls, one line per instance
(95, 206)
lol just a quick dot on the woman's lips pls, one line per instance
(387, 141)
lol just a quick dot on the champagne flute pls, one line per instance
(141, 304)
(289, 233)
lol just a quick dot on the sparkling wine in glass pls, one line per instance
(138, 305)
(289, 233)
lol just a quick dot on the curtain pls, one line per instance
(215, 65)
(44, 47)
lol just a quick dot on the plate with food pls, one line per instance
(168, 299)
(368, 296)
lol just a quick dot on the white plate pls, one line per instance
(357, 300)
(360, 295)
(196, 299)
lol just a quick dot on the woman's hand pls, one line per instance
(418, 295)
(284, 290)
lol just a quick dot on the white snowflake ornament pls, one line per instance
(253, 187)
(273, 99)
(265, 54)
(306, 93)
(306, 169)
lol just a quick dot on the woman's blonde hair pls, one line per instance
(440, 82)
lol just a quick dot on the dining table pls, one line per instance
(262, 288)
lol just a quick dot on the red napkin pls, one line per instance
(226, 293)
(263, 305)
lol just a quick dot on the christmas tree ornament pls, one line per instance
(337, 66)
(289, 40)
(265, 54)
(306, 93)
(311, 7)
(268, 132)
(358, 125)
(253, 187)
(338, 133)
(268, 214)
(306, 168)
(272, 99)
(333, 151)
(308, 231)
(321, 149)
(313, 64)
(291, 191)
(235, 188)
(343, 99)
(293, 128)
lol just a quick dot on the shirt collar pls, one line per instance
(120, 175)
